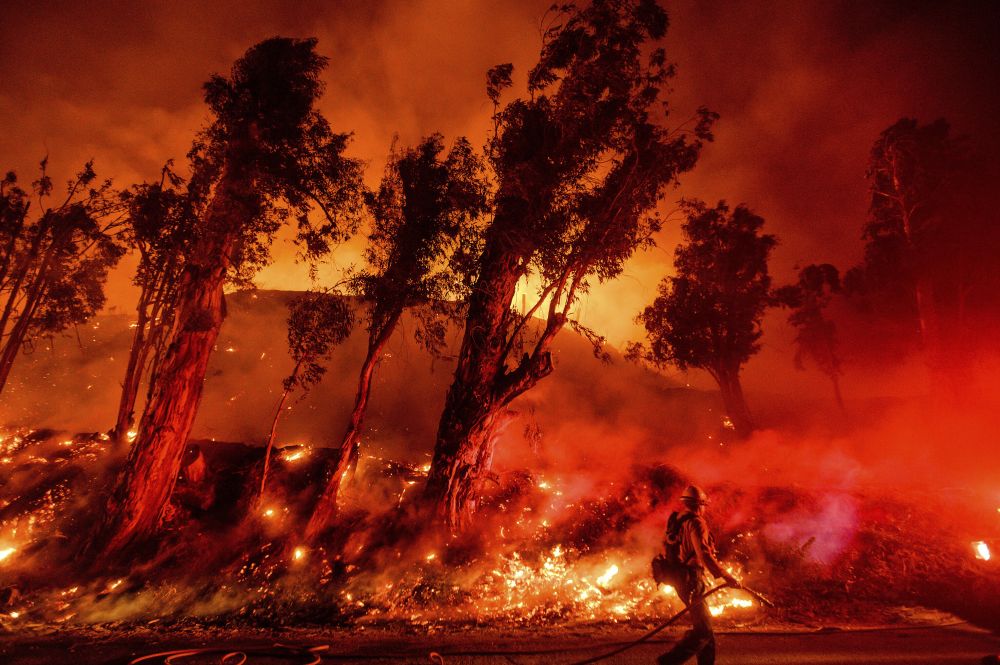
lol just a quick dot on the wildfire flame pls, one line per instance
(606, 578)
(293, 455)
(6, 552)
(982, 550)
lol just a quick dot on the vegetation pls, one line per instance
(708, 315)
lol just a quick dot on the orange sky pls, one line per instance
(803, 88)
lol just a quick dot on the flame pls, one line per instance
(982, 550)
(6, 552)
(606, 578)
(293, 455)
(299, 553)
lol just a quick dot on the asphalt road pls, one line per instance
(939, 646)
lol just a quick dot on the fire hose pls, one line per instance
(672, 620)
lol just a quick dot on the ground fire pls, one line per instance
(645, 333)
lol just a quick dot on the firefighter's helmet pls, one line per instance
(694, 494)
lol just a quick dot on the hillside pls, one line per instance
(599, 414)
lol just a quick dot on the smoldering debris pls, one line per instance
(545, 549)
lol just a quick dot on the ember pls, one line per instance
(982, 550)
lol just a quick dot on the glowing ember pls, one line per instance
(269, 512)
(6, 552)
(132, 434)
(299, 553)
(982, 550)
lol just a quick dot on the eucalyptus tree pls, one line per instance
(426, 227)
(579, 165)
(267, 158)
(55, 257)
(161, 225)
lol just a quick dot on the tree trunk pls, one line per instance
(837, 394)
(133, 376)
(32, 299)
(463, 450)
(144, 486)
(270, 438)
(326, 507)
(734, 402)
(463, 455)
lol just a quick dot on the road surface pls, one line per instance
(947, 645)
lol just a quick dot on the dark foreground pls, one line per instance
(940, 645)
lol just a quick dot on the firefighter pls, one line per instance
(696, 551)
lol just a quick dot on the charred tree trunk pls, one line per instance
(326, 507)
(734, 401)
(144, 486)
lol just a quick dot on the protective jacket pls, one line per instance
(697, 547)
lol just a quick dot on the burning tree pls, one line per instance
(708, 315)
(161, 225)
(423, 235)
(53, 265)
(579, 164)
(268, 156)
(317, 322)
(816, 335)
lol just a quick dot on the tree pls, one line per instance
(423, 232)
(53, 265)
(268, 156)
(907, 171)
(816, 335)
(708, 315)
(931, 246)
(578, 165)
(161, 225)
(317, 322)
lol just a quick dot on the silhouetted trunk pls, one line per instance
(145, 484)
(326, 507)
(133, 375)
(476, 404)
(734, 401)
(151, 311)
(274, 431)
(32, 298)
(836, 393)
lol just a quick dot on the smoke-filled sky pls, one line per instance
(803, 88)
